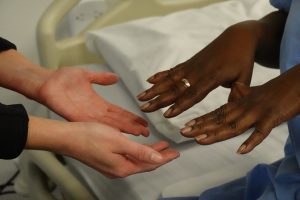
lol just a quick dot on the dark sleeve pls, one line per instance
(13, 130)
(6, 45)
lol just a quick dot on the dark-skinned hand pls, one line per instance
(262, 108)
(228, 59)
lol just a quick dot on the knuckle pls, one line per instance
(191, 93)
(199, 126)
(278, 119)
(188, 99)
(142, 155)
(220, 115)
(233, 125)
(175, 90)
(175, 74)
(202, 142)
(258, 137)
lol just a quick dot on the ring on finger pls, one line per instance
(186, 83)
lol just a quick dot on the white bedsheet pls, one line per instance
(138, 49)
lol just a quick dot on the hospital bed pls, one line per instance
(95, 48)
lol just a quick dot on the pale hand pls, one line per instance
(113, 154)
(68, 92)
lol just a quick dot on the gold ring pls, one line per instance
(186, 83)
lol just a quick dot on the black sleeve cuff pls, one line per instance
(13, 130)
(6, 45)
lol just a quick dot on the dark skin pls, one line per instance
(228, 61)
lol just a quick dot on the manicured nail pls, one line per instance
(145, 106)
(191, 123)
(156, 157)
(168, 112)
(201, 137)
(141, 95)
(186, 130)
(242, 149)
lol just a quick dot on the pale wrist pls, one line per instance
(21, 75)
(51, 135)
(39, 76)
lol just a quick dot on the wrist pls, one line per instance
(248, 33)
(20, 75)
(50, 135)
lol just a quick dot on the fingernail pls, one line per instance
(168, 112)
(156, 157)
(145, 106)
(186, 130)
(141, 95)
(201, 137)
(241, 149)
(191, 123)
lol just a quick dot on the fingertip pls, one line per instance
(111, 74)
(142, 122)
(186, 131)
(114, 78)
(242, 149)
(191, 123)
(160, 146)
(141, 95)
(146, 133)
(172, 112)
(169, 113)
(104, 78)
(157, 77)
(145, 95)
(151, 80)
(164, 143)
(145, 106)
(172, 154)
(177, 153)
(135, 133)
(201, 138)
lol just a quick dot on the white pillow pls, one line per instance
(138, 49)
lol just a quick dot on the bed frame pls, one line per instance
(39, 168)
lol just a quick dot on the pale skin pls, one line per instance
(94, 137)
(101, 147)
(68, 92)
(228, 61)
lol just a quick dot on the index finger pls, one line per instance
(167, 80)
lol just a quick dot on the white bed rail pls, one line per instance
(39, 168)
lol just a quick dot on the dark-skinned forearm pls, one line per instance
(270, 32)
(264, 35)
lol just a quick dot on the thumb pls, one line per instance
(142, 152)
(238, 90)
(104, 78)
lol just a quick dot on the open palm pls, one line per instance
(68, 92)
